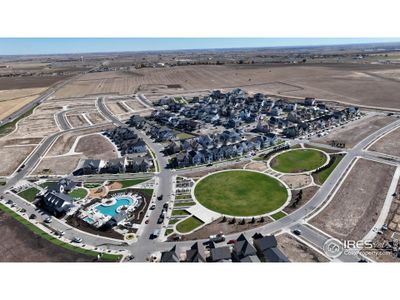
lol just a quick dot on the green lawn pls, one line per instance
(168, 232)
(131, 182)
(181, 197)
(173, 221)
(91, 185)
(78, 193)
(29, 194)
(297, 161)
(55, 241)
(188, 224)
(184, 204)
(183, 136)
(46, 184)
(322, 176)
(241, 193)
(179, 212)
(278, 215)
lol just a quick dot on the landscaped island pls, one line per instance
(241, 193)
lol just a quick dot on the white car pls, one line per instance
(48, 220)
(77, 240)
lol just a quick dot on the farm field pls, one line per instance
(355, 207)
(389, 144)
(298, 161)
(240, 193)
(353, 83)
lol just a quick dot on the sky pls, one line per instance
(21, 46)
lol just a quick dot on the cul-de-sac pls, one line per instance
(245, 155)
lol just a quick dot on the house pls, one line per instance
(115, 166)
(173, 147)
(56, 203)
(242, 248)
(250, 259)
(309, 101)
(169, 256)
(137, 121)
(138, 164)
(64, 185)
(196, 253)
(276, 111)
(267, 250)
(220, 254)
(88, 167)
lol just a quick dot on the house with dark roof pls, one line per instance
(170, 256)
(88, 166)
(267, 249)
(196, 253)
(220, 254)
(242, 248)
(56, 203)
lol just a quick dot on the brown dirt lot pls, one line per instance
(61, 165)
(308, 193)
(297, 251)
(257, 166)
(96, 118)
(356, 131)
(135, 105)
(76, 120)
(12, 157)
(354, 83)
(218, 226)
(64, 143)
(96, 146)
(389, 144)
(19, 244)
(296, 181)
(355, 207)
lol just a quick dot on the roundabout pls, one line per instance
(241, 193)
(296, 161)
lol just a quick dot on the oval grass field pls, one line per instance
(241, 193)
(298, 161)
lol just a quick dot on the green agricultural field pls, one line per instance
(241, 193)
(322, 176)
(298, 161)
(29, 194)
(78, 193)
(188, 224)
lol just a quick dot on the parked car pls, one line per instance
(155, 234)
(217, 238)
(153, 207)
(48, 220)
(165, 206)
(32, 216)
(77, 240)
(160, 197)
(230, 242)
(147, 221)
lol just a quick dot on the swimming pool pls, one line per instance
(88, 220)
(112, 209)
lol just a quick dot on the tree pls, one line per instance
(262, 220)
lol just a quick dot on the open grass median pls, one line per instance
(188, 224)
(299, 160)
(321, 176)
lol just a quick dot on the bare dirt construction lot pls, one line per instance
(389, 144)
(296, 181)
(360, 84)
(12, 157)
(19, 244)
(356, 131)
(355, 207)
(60, 165)
(297, 251)
(96, 146)
(225, 227)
